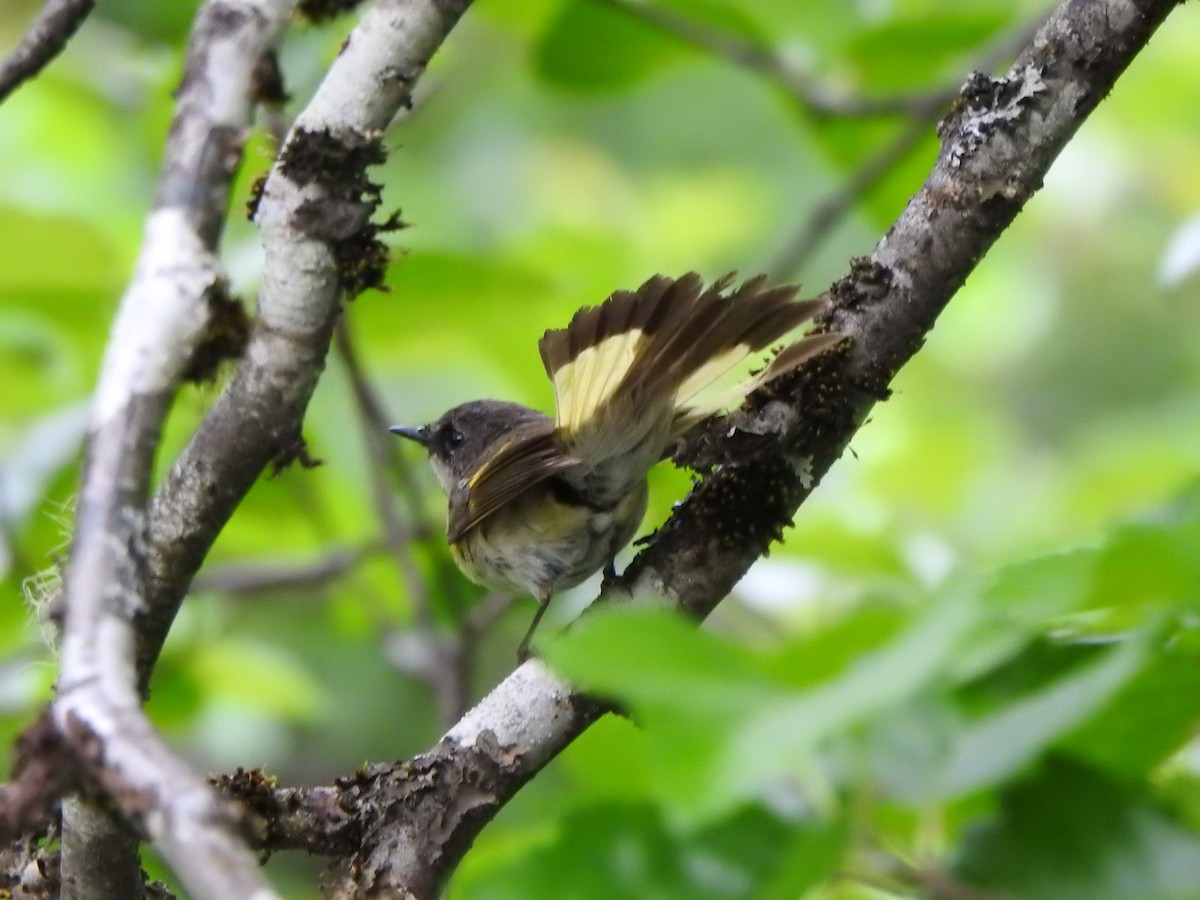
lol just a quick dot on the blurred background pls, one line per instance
(982, 621)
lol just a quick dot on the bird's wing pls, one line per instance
(529, 457)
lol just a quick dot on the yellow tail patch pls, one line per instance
(661, 353)
(583, 385)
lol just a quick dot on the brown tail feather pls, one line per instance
(714, 323)
(648, 353)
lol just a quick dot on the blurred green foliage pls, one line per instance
(974, 660)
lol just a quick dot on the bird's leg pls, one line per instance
(608, 575)
(523, 648)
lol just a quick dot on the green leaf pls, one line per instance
(653, 658)
(997, 745)
(1153, 716)
(1153, 561)
(628, 850)
(1069, 832)
(609, 761)
(593, 47)
(1035, 590)
(722, 725)
(913, 52)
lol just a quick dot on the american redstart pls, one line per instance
(536, 504)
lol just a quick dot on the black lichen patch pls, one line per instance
(317, 11)
(255, 792)
(294, 450)
(253, 787)
(331, 220)
(342, 218)
(828, 401)
(746, 506)
(867, 282)
(256, 194)
(336, 162)
(43, 770)
(982, 92)
(224, 337)
(266, 81)
(362, 259)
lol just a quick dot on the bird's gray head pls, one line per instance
(462, 439)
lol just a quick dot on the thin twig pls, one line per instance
(816, 98)
(487, 613)
(54, 25)
(819, 223)
(445, 660)
(242, 579)
(383, 458)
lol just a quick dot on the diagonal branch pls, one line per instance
(821, 219)
(383, 458)
(54, 25)
(262, 577)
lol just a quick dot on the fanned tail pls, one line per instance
(656, 356)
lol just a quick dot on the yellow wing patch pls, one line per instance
(523, 462)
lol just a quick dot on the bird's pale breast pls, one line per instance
(540, 544)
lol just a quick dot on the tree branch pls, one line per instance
(997, 146)
(176, 296)
(314, 213)
(54, 25)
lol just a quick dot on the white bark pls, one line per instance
(161, 320)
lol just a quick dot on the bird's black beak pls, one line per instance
(418, 433)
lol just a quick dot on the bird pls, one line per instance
(537, 504)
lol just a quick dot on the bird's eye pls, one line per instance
(452, 438)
